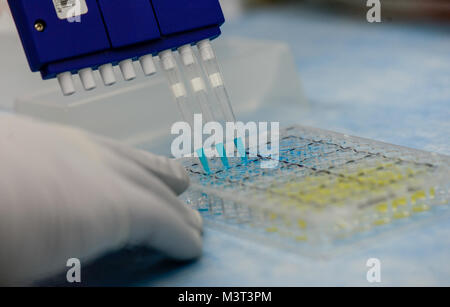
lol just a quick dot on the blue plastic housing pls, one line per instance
(110, 31)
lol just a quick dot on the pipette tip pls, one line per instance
(241, 149)
(203, 160)
(222, 154)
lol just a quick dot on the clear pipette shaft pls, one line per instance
(215, 77)
(194, 75)
(170, 67)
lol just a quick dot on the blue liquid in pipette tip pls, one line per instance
(241, 149)
(223, 155)
(203, 160)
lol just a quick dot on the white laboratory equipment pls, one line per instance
(258, 74)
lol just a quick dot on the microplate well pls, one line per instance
(328, 192)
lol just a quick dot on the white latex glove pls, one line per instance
(67, 194)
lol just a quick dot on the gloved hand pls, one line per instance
(66, 194)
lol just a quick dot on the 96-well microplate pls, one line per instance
(328, 191)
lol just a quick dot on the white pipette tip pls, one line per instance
(107, 74)
(87, 78)
(127, 69)
(66, 83)
(187, 55)
(167, 60)
(147, 64)
(206, 50)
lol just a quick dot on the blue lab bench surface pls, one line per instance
(389, 82)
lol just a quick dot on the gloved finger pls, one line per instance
(167, 170)
(140, 177)
(163, 228)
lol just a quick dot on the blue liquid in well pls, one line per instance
(241, 149)
(222, 154)
(203, 160)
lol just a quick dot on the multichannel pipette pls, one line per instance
(198, 87)
(66, 37)
(215, 77)
(194, 76)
